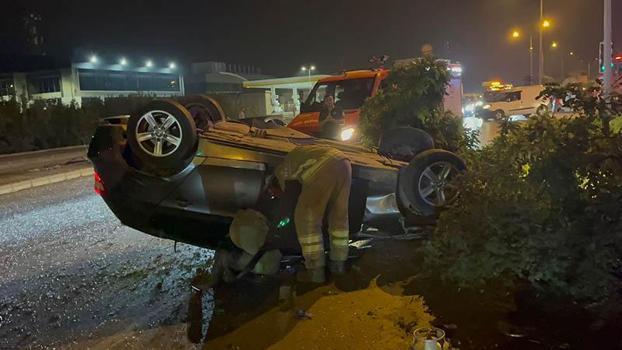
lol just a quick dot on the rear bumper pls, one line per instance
(150, 204)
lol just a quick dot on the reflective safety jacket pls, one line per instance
(303, 162)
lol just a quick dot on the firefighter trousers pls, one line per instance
(327, 192)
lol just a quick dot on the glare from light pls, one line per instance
(312, 68)
(472, 123)
(148, 64)
(123, 61)
(554, 44)
(516, 34)
(546, 23)
(479, 104)
(347, 133)
(486, 106)
(457, 70)
(172, 65)
(93, 59)
(303, 68)
(571, 53)
(517, 118)
(469, 108)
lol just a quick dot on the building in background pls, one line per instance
(220, 77)
(36, 77)
(244, 91)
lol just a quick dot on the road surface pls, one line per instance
(73, 277)
(71, 271)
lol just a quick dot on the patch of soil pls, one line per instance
(325, 318)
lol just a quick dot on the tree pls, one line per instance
(542, 206)
(413, 96)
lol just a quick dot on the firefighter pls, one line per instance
(325, 175)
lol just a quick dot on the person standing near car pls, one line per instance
(331, 118)
(325, 175)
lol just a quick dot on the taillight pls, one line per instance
(98, 185)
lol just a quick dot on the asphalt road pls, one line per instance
(72, 273)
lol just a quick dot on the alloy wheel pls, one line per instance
(158, 133)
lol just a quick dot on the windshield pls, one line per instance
(502, 96)
(348, 94)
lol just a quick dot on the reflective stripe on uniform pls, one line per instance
(311, 239)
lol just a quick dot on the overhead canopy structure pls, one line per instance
(298, 82)
(285, 101)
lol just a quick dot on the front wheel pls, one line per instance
(163, 137)
(499, 114)
(425, 186)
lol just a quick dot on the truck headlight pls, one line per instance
(346, 134)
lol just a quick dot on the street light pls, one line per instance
(123, 61)
(148, 64)
(308, 70)
(172, 65)
(554, 45)
(516, 34)
(546, 23)
(93, 59)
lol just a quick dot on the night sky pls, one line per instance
(281, 35)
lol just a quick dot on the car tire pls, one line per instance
(163, 137)
(542, 109)
(499, 114)
(205, 111)
(424, 186)
(404, 143)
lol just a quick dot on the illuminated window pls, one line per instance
(41, 84)
(98, 80)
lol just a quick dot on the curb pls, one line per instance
(45, 180)
(43, 151)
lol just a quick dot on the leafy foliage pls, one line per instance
(413, 96)
(45, 124)
(542, 204)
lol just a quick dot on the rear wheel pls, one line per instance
(205, 111)
(404, 143)
(425, 185)
(163, 137)
(542, 109)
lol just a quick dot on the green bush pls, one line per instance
(413, 96)
(542, 205)
(47, 124)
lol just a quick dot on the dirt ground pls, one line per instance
(324, 318)
(370, 318)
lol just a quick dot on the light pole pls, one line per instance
(530, 59)
(516, 35)
(308, 70)
(607, 49)
(544, 24)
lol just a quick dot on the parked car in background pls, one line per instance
(515, 101)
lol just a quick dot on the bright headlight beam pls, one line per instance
(346, 134)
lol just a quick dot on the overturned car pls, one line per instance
(180, 170)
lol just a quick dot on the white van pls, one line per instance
(517, 101)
